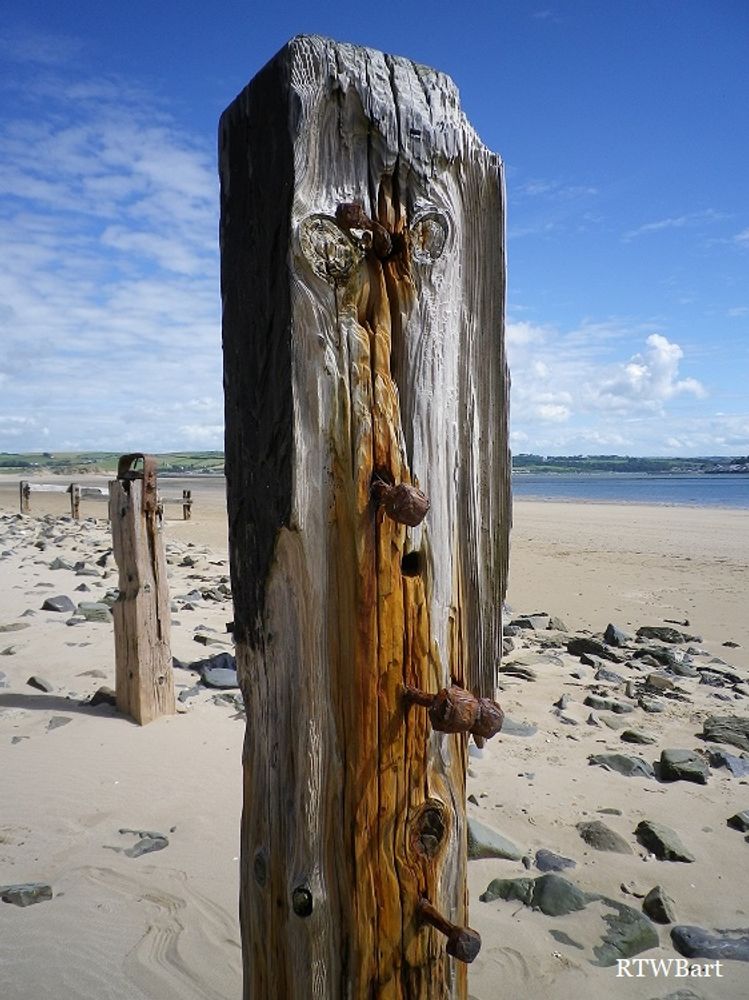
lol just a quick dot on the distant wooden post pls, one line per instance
(143, 662)
(25, 496)
(362, 238)
(186, 505)
(75, 501)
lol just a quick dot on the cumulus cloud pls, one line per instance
(583, 390)
(648, 380)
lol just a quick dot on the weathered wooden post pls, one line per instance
(186, 505)
(24, 491)
(363, 268)
(75, 501)
(144, 681)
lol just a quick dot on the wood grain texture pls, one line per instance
(144, 680)
(341, 367)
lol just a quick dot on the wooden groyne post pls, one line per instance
(362, 240)
(144, 680)
(24, 492)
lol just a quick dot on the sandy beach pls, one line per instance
(164, 925)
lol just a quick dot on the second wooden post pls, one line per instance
(144, 679)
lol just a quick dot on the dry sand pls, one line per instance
(164, 926)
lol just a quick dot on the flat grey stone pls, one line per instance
(659, 906)
(651, 705)
(615, 636)
(628, 933)
(41, 684)
(585, 644)
(14, 626)
(602, 838)
(608, 676)
(694, 942)
(623, 764)
(662, 633)
(659, 682)
(683, 765)
(484, 842)
(662, 841)
(739, 821)
(61, 604)
(512, 728)
(150, 840)
(550, 893)
(26, 893)
(60, 563)
(601, 704)
(220, 677)
(95, 611)
(635, 736)
(731, 729)
(219, 671)
(547, 861)
(518, 670)
(103, 696)
(534, 622)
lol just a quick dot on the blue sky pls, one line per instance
(623, 127)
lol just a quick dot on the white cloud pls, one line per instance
(690, 219)
(553, 412)
(582, 390)
(109, 287)
(649, 380)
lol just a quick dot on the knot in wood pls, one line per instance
(403, 503)
(301, 901)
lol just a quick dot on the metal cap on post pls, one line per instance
(143, 661)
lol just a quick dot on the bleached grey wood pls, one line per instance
(323, 375)
(144, 680)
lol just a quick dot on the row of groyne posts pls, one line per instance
(144, 680)
(79, 491)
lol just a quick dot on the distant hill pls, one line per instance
(93, 462)
(212, 463)
(623, 463)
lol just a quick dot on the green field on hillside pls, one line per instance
(91, 462)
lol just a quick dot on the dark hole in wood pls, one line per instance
(301, 901)
(411, 564)
(383, 474)
(431, 831)
(260, 867)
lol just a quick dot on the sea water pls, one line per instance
(723, 490)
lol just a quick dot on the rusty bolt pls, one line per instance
(455, 710)
(463, 943)
(351, 215)
(403, 503)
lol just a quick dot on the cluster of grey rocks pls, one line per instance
(627, 678)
